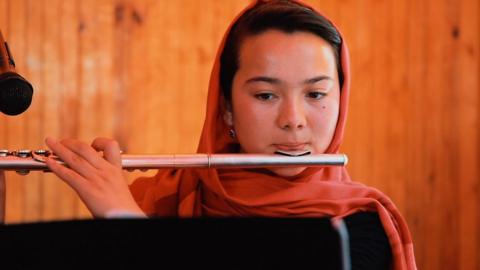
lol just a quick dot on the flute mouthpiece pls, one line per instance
(293, 154)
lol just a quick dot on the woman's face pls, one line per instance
(285, 95)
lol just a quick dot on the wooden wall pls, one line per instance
(138, 71)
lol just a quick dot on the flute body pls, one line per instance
(32, 161)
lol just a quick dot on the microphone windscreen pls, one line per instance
(15, 94)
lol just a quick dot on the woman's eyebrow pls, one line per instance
(317, 79)
(263, 79)
(272, 80)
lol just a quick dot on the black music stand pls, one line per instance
(230, 243)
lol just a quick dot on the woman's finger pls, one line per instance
(77, 163)
(86, 152)
(110, 149)
(76, 181)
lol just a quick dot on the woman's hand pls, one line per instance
(98, 180)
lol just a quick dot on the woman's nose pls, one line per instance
(291, 115)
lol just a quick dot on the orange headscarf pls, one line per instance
(316, 192)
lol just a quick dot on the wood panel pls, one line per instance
(138, 71)
(34, 192)
(16, 126)
(467, 103)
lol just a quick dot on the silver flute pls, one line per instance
(24, 161)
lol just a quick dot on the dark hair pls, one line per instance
(282, 15)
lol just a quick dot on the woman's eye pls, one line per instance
(265, 96)
(316, 94)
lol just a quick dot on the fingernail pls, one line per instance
(49, 161)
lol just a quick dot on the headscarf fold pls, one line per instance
(316, 192)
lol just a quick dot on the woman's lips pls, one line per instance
(294, 147)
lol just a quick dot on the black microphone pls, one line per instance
(15, 92)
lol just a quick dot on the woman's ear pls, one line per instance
(228, 117)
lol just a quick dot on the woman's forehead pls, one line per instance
(276, 53)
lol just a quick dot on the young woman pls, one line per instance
(280, 84)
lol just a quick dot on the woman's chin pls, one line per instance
(288, 171)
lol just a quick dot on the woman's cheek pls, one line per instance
(323, 123)
(254, 125)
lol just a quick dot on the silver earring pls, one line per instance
(232, 134)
